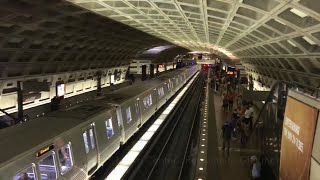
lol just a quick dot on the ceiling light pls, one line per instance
(298, 13)
(290, 42)
(308, 40)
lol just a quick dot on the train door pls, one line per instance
(138, 112)
(155, 99)
(89, 139)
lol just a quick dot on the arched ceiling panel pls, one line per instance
(43, 37)
(284, 33)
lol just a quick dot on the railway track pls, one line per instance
(168, 154)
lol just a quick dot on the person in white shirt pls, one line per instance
(248, 115)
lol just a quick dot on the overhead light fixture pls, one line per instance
(309, 40)
(298, 13)
(290, 42)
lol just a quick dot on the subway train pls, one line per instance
(73, 143)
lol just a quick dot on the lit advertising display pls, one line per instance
(112, 79)
(297, 139)
(61, 90)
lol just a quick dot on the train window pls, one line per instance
(137, 107)
(26, 174)
(47, 168)
(147, 101)
(109, 128)
(160, 92)
(85, 140)
(177, 81)
(91, 138)
(128, 112)
(119, 117)
(65, 158)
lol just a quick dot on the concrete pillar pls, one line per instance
(144, 72)
(151, 70)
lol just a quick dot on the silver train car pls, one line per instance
(73, 143)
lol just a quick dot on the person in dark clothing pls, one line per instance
(225, 102)
(226, 131)
(55, 102)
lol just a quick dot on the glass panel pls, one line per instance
(137, 107)
(47, 168)
(147, 101)
(128, 112)
(26, 174)
(91, 138)
(160, 92)
(119, 116)
(109, 128)
(85, 141)
(65, 158)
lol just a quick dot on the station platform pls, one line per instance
(220, 166)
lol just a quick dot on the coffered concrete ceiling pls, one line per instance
(274, 39)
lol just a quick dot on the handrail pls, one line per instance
(270, 95)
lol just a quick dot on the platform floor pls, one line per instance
(220, 166)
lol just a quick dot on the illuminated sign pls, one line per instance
(60, 90)
(44, 150)
(112, 78)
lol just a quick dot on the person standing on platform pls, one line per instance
(226, 132)
(256, 168)
(248, 115)
(230, 101)
(225, 102)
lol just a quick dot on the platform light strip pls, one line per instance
(202, 157)
(129, 158)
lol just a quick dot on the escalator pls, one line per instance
(267, 132)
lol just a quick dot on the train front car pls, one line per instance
(63, 145)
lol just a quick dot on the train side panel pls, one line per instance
(108, 135)
(48, 160)
(130, 116)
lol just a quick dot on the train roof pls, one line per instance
(119, 96)
(23, 137)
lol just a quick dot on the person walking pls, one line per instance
(226, 131)
(230, 101)
(225, 102)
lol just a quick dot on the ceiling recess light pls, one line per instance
(290, 42)
(298, 13)
(308, 40)
(280, 22)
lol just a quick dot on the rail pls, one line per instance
(190, 134)
(138, 165)
(170, 136)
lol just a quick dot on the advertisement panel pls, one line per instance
(297, 139)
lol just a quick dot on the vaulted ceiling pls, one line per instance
(49, 37)
(274, 39)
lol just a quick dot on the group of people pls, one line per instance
(241, 123)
